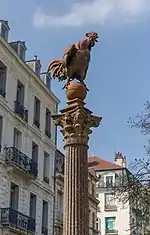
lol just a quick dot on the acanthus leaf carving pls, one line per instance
(76, 124)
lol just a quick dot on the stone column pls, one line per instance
(75, 121)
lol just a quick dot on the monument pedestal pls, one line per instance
(75, 121)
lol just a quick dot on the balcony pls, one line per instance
(21, 111)
(112, 232)
(110, 208)
(20, 162)
(2, 92)
(104, 185)
(44, 230)
(17, 221)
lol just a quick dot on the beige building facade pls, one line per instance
(116, 217)
(27, 141)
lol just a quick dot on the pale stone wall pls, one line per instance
(122, 213)
(17, 69)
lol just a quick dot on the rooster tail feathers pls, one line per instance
(54, 64)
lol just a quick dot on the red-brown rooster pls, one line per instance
(75, 62)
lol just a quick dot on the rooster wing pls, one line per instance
(68, 55)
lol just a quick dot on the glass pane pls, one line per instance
(110, 223)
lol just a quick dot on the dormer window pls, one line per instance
(37, 69)
(4, 29)
(20, 48)
(22, 52)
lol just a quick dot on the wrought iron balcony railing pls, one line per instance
(12, 218)
(2, 92)
(44, 230)
(15, 157)
(21, 111)
(102, 184)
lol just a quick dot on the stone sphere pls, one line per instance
(76, 90)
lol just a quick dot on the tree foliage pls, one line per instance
(135, 186)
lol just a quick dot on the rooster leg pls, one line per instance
(83, 84)
(67, 83)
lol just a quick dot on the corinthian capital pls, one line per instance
(76, 124)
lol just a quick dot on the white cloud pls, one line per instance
(95, 12)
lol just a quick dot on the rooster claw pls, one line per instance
(65, 86)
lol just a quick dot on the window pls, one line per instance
(1, 131)
(3, 75)
(110, 224)
(35, 151)
(110, 202)
(14, 196)
(109, 181)
(101, 184)
(17, 139)
(46, 167)
(20, 93)
(32, 213)
(45, 218)
(36, 117)
(19, 103)
(48, 123)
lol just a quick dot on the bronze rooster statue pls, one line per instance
(75, 62)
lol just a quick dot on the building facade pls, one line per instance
(27, 141)
(116, 217)
(93, 202)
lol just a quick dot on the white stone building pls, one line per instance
(27, 142)
(93, 202)
(114, 217)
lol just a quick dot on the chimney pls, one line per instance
(35, 65)
(120, 160)
(4, 29)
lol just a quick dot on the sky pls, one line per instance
(119, 71)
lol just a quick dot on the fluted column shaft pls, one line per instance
(76, 208)
(76, 122)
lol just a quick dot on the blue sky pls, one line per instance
(119, 71)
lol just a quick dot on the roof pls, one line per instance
(99, 164)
